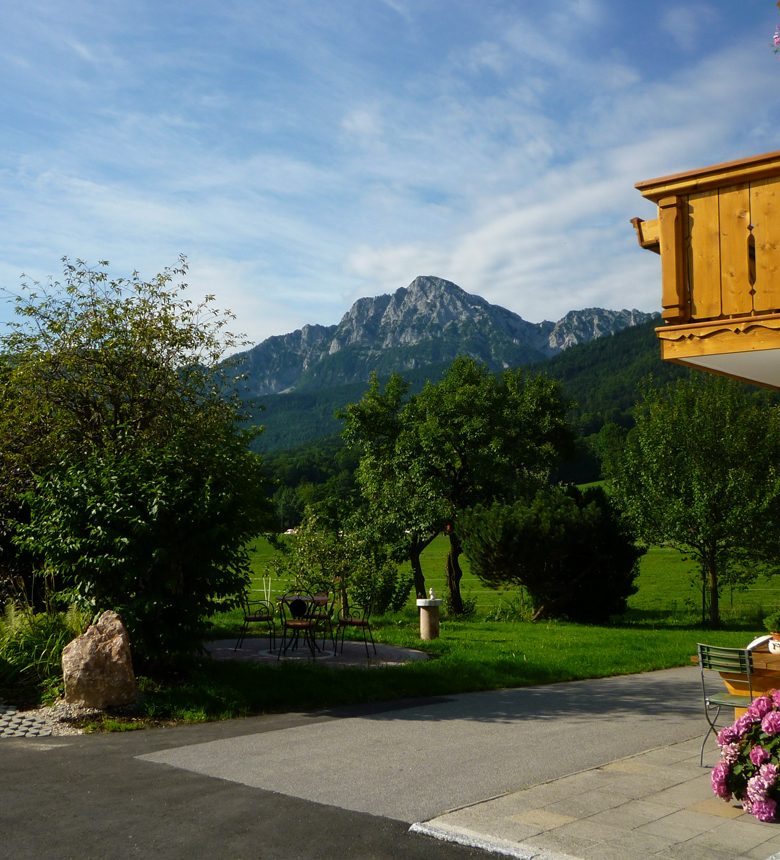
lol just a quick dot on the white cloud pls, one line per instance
(488, 55)
(688, 25)
(363, 122)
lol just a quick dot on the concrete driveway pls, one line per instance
(332, 784)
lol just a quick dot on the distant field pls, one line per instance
(434, 567)
(667, 593)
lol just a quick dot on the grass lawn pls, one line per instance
(659, 631)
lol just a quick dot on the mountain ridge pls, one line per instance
(429, 322)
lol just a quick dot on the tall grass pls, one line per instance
(31, 651)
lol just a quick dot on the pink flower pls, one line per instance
(728, 735)
(760, 707)
(758, 755)
(730, 753)
(765, 810)
(757, 789)
(718, 780)
(743, 724)
(775, 696)
(770, 724)
(768, 772)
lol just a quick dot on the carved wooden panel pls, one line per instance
(718, 233)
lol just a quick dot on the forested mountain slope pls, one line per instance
(603, 377)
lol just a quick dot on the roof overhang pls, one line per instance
(747, 349)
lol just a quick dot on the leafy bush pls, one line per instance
(156, 535)
(386, 589)
(466, 610)
(138, 491)
(749, 764)
(325, 554)
(772, 621)
(508, 609)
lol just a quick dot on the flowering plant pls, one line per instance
(749, 766)
(776, 37)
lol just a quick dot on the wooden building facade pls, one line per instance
(718, 236)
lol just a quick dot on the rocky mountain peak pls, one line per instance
(408, 315)
(590, 323)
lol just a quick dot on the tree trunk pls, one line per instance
(454, 575)
(712, 579)
(703, 594)
(415, 551)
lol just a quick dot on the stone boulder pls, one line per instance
(97, 667)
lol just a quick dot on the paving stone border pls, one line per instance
(22, 724)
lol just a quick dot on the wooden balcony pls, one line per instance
(718, 235)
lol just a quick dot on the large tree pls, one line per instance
(472, 437)
(401, 512)
(700, 472)
(127, 477)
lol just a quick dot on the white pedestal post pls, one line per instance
(429, 618)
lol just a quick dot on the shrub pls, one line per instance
(749, 764)
(137, 492)
(772, 621)
(158, 535)
(386, 589)
(509, 609)
(464, 612)
(571, 550)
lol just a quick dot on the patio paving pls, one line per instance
(354, 655)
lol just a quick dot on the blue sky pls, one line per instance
(304, 153)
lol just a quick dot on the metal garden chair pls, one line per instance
(357, 619)
(257, 612)
(734, 665)
(298, 620)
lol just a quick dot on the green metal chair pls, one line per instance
(737, 663)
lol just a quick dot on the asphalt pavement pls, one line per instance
(590, 769)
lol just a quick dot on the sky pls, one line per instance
(303, 154)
